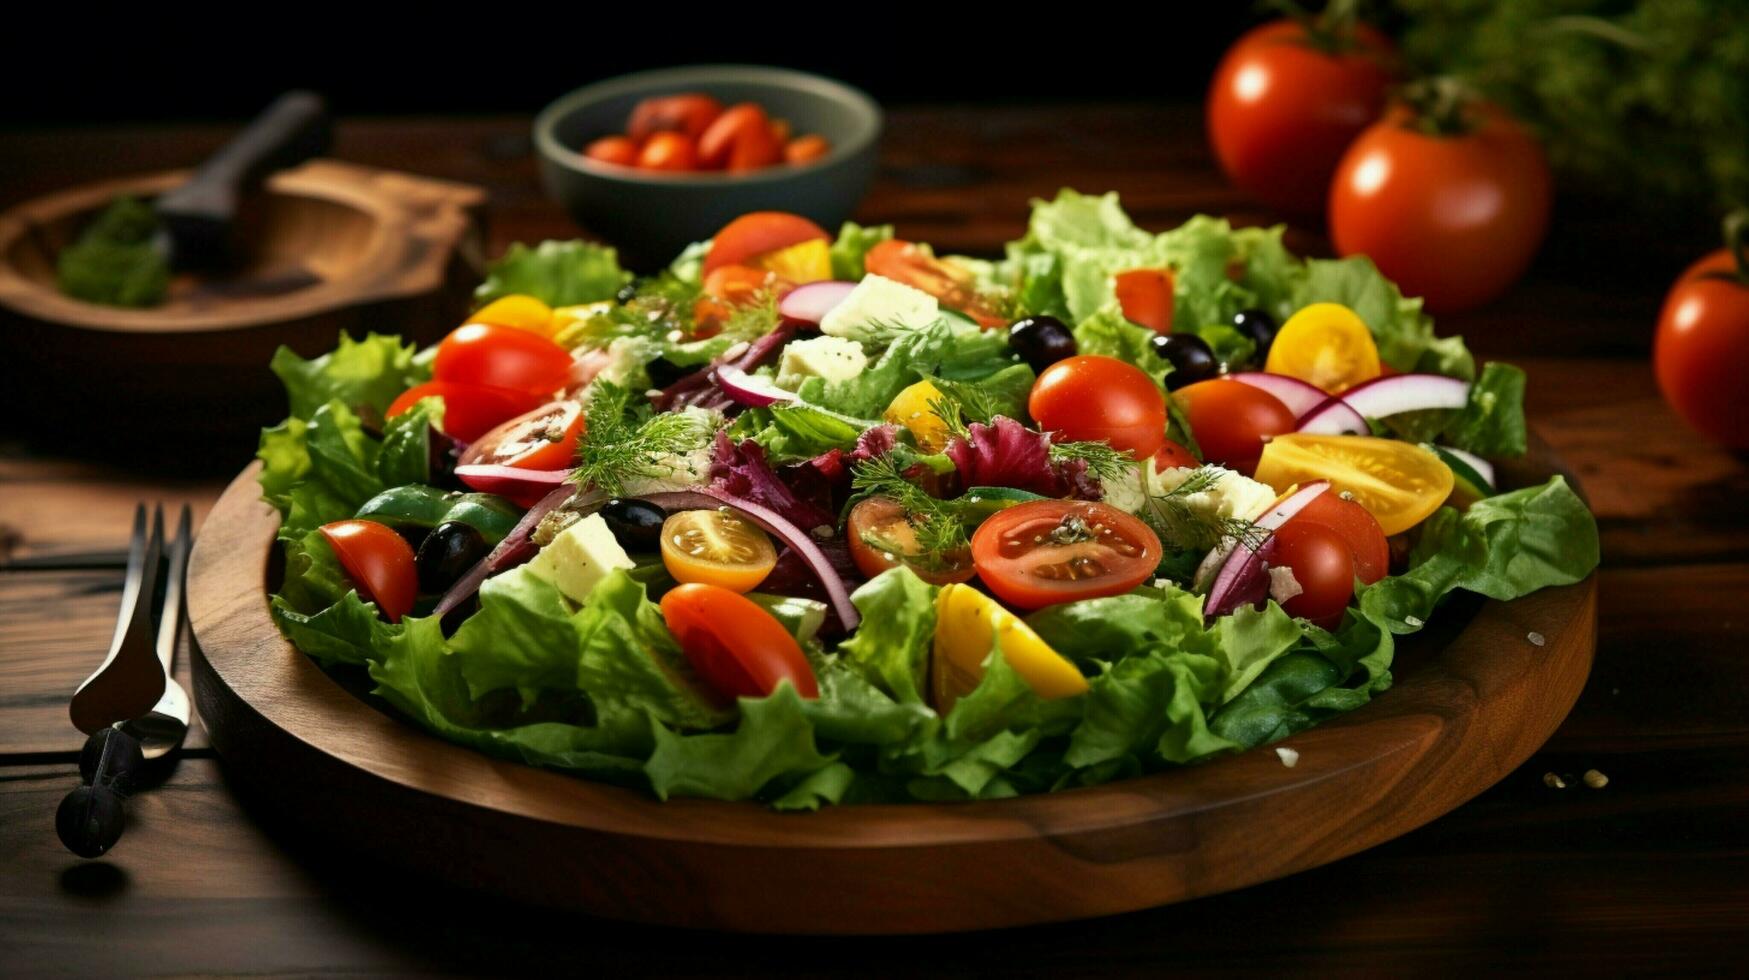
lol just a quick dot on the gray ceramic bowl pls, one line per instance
(651, 217)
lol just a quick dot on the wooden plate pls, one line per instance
(1471, 703)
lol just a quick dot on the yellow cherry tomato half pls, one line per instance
(1327, 345)
(967, 624)
(521, 312)
(809, 261)
(914, 408)
(1398, 483)
(716, 547)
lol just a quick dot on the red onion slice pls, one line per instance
(1334, 417)
(750, 390)
(705, 498)
(525, 487)
(514, 543)
(1242, 579)
(1299, 396)
(811, 302)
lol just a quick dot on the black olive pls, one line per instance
(626, 294)
(636, 524)
(111, 758)
(1041, 341)
(664, 372)
(1192, 361)
(1258, 326)
(446, 555)
(90, 820)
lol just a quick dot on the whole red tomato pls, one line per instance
(1702, 348)
(1286, 101)
(1454, 217)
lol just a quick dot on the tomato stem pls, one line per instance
(1331, 31)
(1441, 104)
(1737, 241)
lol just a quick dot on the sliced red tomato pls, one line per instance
(739, 649)
(1356, 525)
(1048, 551)
(1146, 297)
(1171, 456)
(1092, 397)
(502, 357)
(948, 282)
(469, 411)
(544, 439)
(1230, 419)
(760, 233)
(379, 562)
(729, 288)
(1322, 564)
(690, 113)
(882, 537)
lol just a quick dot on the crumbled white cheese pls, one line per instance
(1125, 490)
(1282, 584)
(831, 358)
(876, 307)
(1289, 757)
(580, 557)
(1232, 496)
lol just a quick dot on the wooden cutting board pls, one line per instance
(1475, 695)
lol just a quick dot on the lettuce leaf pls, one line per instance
(556, 273)
(1492, 422)
(852, 246)
(1403, 331)
(891, 648)
(358, 373)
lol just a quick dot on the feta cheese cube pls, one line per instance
(580, 557)
(831, 358)
(878, 306)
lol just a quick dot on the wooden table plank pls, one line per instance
(1650, 872)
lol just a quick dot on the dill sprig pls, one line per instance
(1172, 517)
(937, 523)
(1104, 462)
(623, 441)
(962, 403)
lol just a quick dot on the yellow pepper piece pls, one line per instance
(967, 624)
(809, 261)
(914, 408)
(521, 312)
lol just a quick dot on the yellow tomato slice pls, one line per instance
(809, 261)
(967, 624)
(1325, 344)
(914, 408)
(521, 312)
(716, 547)
(1398, 483)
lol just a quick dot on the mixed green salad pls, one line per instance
(808, 518)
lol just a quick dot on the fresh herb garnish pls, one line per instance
(1179, 524)
(962, 403)
(624, 441)
(938, 524)
(1104, 462)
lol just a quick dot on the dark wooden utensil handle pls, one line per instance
(200, 214)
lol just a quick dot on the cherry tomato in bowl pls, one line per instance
(1092, 397)
(670, 152)
(689, 113)
(1285, 104)
(1323, 566)
(378, 561)
(1231, 420)
(1048, 551)
(1453, 218)
(1702, 348)
(1355, 525)
(737, 648)
(502, 357)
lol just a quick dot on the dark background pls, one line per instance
(91, 67)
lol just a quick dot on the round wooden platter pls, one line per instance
(1471, 702)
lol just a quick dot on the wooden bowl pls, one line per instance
(1472, 701)
(336, 247)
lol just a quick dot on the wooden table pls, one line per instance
(1650, 873)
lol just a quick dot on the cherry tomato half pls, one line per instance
(717, 547)
(502, 357)
(379, 562)
(1454, 219)
(947, 281)
(1146, 297)
(617, 150)
(739, 649)
(882, 537)
(690, 113)
(1230, 419)
(1356, 526)
(672, 152)
(1702, 349)
(1323, 566)
(1281, 110)
(1171, 456)
(1091, 397)
(1048, 551)
(469, 411)
(544, 439)
(752, 235)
